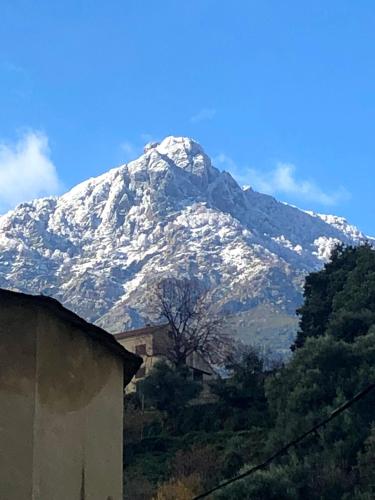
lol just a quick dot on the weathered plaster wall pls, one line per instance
(79, 410)
(17, 393)
(61, 410)
(148, 360)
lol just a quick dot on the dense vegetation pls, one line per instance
(179, 445)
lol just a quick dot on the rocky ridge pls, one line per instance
(169, 212)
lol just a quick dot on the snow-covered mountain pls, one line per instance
(97, 247)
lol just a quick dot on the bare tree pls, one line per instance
(193, 325)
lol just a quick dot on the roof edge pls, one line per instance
(139, 331)
(131, 361)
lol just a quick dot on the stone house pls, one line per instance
(151, 343)
(61, 403)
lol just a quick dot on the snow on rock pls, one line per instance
(169, 212)
(324, 247)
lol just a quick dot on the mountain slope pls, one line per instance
(170, 211)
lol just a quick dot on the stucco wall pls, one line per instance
(61, 410)
(17, 392)
(79, 408)
(148, 360)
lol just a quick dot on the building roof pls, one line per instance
(131, 361)
(151, 330)
(146, 330)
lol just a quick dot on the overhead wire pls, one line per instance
(313, 430)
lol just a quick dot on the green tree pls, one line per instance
(168, 389)
(245, 384)
(366, 469)
(272, 484)
(334, 359)
(321, 376)
(241, 394)
(340, 299)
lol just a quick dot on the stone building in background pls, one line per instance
(61, 403)
(151, 343)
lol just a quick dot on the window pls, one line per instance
(140, 349)
(141, 372)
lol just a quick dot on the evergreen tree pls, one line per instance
(366, 469)
(168, 389)
(340, 299)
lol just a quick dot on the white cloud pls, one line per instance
(203, 114)
(129, 149)
(12, 68)
(26, 170)
(225, 162)
(282, 180)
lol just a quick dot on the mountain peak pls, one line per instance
(169, 212)
(174, 144)
(183, 152)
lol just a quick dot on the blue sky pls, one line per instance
(282, 94)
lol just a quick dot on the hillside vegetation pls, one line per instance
(176, 450)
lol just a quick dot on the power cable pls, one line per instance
(285, 448)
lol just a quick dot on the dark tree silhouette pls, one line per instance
(194, 327)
